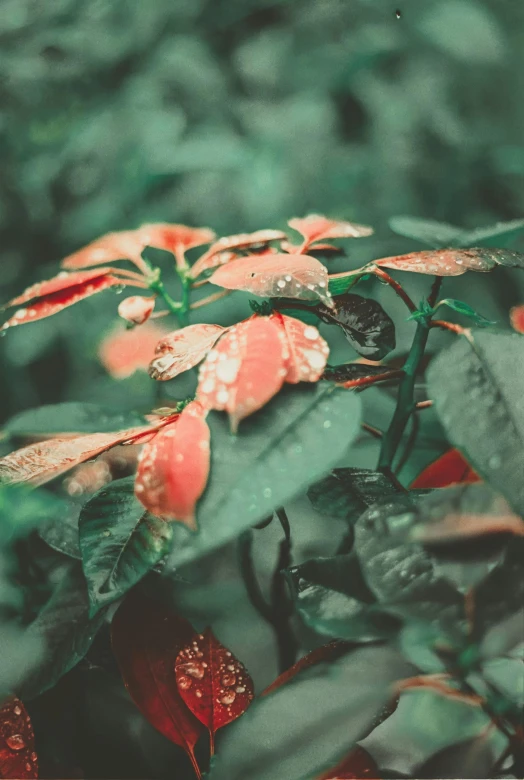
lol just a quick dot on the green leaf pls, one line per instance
(71, 417)
(367, 327)
(22, 509)
(65, 628)
(428, 231)
(348, 492)
(462, 308)
(424, 723)
(342, 284)
(62, 535)
(500, 234)
(477, 389)
(506, 675)
(308, 724)
(505, 636)
(120, 542)
(279, 452)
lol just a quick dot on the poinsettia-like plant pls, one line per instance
(414, 619)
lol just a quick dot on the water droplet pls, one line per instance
(398, 14)
(267, 492)
(195, 670)
(185, 683)
(231, 667)
(228, 679)
(495, 462)
(228, 697)
(240, 689)
(15, 742)
(17, 710)
(198, 693)
(106, 532)
(33, 757)
(327, 423)
(28, 767)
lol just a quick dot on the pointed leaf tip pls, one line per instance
(307, 350)
(316, 227)
(183, 349)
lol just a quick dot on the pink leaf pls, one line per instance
(220, 252)
(315, 227)
(56, 301)
(174, 238)
(516, 316)
(441, 262)
(173, 468)
(125, 245)
(209, 261)
(182, 349)
(63, 281)
(136, 309)
(38, 463)
(308, 352)
(124, 351)
(245, 370)
(280, 275)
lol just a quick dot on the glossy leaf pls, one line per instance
(348, 492)
(357, 765)
(65, 628)
(477, 389)
(453, 262)
(323, 709)
(71, 417)
(53, 303)
(220, 252)
(315, 227)
(174, 466)
(146, 640)
(174, 238)
(60, 283)
(245, 370)
(516, 315)
(449, 469)
(353, 372)
(463, 308)
(119, 542)
(38, 463)
(276, 276)
(307, 350)
(18, 758)
(125, 245)
(427, 231)
(122, 352)
(213, 683)
(367, 327)
(182, 349)
(136, 309)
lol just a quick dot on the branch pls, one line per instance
(402, 294)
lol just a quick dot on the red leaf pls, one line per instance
(17, 742)
(174, 466)
(441, 262)
(355, 766)
(123, 351)
(449, 469)
(220, 252)
(209, 261)
(136, 309)
(146, 640)
(280, 275)
(182, 349)
(315, 227)
(38, 463)
(516, 316)
(321, 654)
(174, 238)
(213, 683)
(245, 370)
(308, 352)
(125, 245)
(63, 281)
(55, 302)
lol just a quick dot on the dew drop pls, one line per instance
(398, 14)
(195, 670)
(228, 679)
(240, 689)
(185, 683)
(17, 710)
(231, 667)
(28, 767)
(267, 492)
(227, 698)
(495, 462)
(16, 742)
(198, 693)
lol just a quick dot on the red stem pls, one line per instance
(402, 294)
(370, 380)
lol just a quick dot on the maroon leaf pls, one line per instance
(245, 370)
(56, 301)
(449, 469)
(182, 349)
(146, 640)
(308, 352)
(17, 742)
(213, 683)
(278, 275)
(442, 262)
(174, 466)
(136, 309)
(315, 227)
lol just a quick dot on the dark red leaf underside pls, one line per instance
(450, 469)
(214, 684)
(63, 281)
(355, 766)
(146, 640)
(18, 758)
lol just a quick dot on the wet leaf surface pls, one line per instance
(18, 758)
(348, 492)
(136, 309)
(367, 327)
(316, 227)
(182, 349)
(307, 350)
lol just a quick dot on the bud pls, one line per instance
(136, 309)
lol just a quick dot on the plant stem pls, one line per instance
(402, 294)
(247, 569)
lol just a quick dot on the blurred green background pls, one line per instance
(238, 114)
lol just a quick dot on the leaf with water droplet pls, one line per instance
(70, 417)
(245, 370)
(316, 227)
(220, 252)
(17, 742)
(353, 372)
(174, 466)
(453, 262)
(450, 468)
(276, 276)
(347, 492)
(182, 349)
(136, 309)
(146, 639)
(367, 327)
(307, 350)
(224, 690)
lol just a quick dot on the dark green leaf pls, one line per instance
(119, 541)
(306, 726)
(353, 371)
(468, 760)
(65, 628)
(504, 636)
(278, 453)
(506, 675)
(477, 389)
(428, 231)
(424, 723)
(71, 418)
(348, 492)
(462, 308)
(22, 509)
(367, 327)
(340, 285)
(62, 535)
